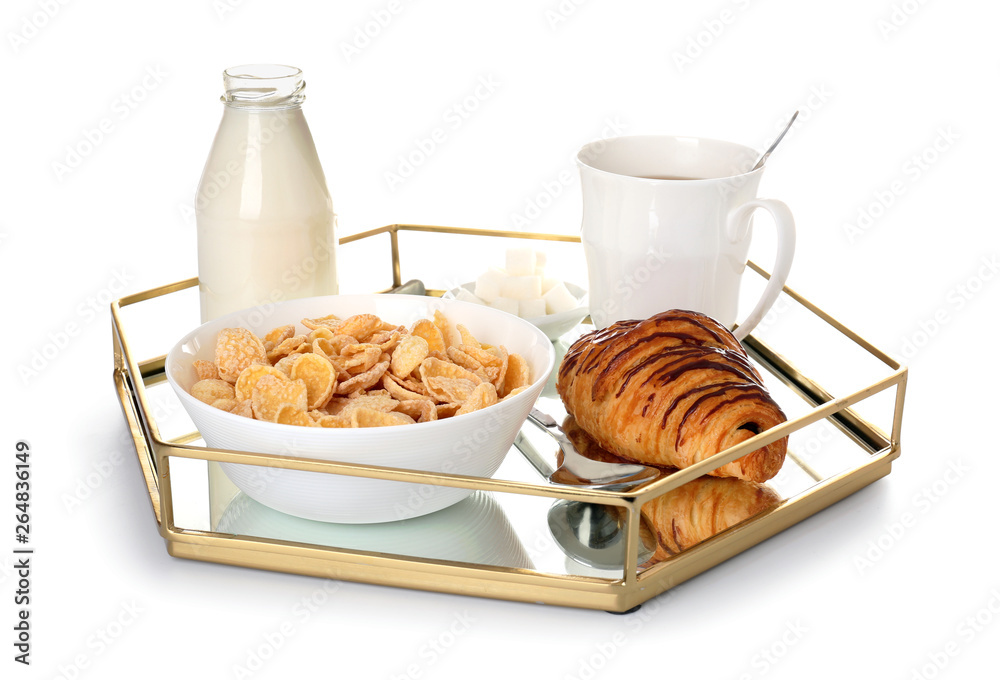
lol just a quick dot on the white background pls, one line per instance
(878, 83)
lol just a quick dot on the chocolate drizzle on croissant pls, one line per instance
(671, 390)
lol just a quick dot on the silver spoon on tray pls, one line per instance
(578, 470)
(590, 533)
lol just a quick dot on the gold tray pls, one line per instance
(835, 449)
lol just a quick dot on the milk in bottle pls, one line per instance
(264, 214)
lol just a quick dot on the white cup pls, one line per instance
(656, 244)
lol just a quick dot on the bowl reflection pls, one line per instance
(474, 530)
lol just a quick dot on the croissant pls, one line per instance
(671, 390)
(692, 512)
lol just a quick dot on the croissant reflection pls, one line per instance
(671, 390)
(691, 513)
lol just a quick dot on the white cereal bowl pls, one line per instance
(471, 444)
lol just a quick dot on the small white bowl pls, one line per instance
(471, 444)
(553, 325)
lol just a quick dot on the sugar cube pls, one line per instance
(547, 283)
(521, 287)
(540, 265)
(530, 309)
(559, 299)
(488, 284)
(466, 296)
(504, 305)
(520, 261)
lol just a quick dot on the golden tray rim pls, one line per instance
(617, 595)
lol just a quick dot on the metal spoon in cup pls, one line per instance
(764, 156)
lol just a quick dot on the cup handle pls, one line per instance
(739, 223)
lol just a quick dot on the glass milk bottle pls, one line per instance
(264, 214)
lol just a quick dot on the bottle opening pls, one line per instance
(271, 85)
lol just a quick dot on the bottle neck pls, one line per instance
(263, 87)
